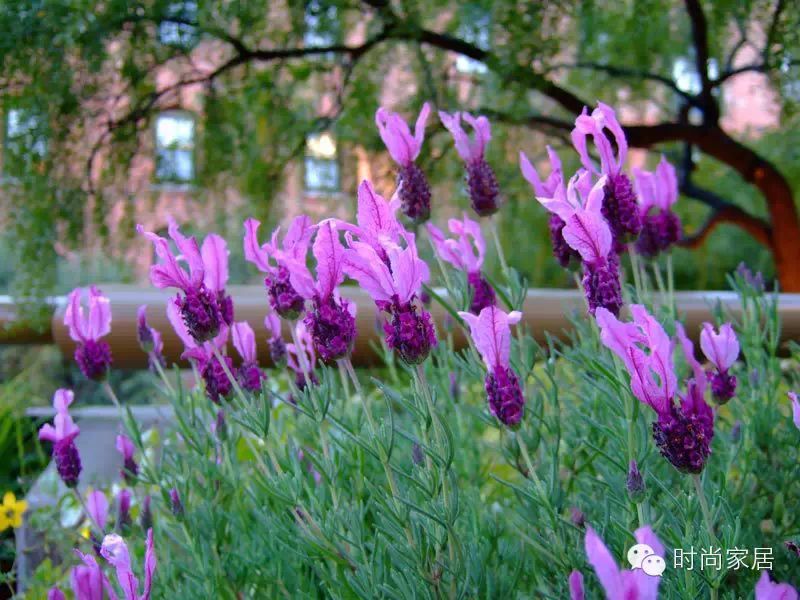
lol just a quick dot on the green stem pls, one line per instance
(154, 360)
(387, 468)
(497, 245)
(110, 393)
(701, 497)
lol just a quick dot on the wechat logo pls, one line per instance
(642, 556)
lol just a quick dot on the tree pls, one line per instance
(530, 64)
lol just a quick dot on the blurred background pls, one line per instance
(121, 112)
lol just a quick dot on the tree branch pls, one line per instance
(697, 19)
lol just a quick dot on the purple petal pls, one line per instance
(97, 507)
(329, 252)
(253, 252)
(576, 585)
(603, 564)
(244, 340)
(215, 262)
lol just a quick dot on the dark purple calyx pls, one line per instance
(415, 193)
(684, 437)
(484, 193)
(277, 351)
(201, 314)
(68, 461)
(483, 294)
(176, 506)
(300, 380)
(225, 304)
(409, 332)
(723, 386)
(601, 286)
(660, 230)
(130, 470)
(94, 359)
(506, 401)
(564, 254)
(250, 376)
(218, 384)
(283, 298)
(332, 328)
(620, 208)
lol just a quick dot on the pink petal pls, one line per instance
(603, 564)
(408, 271)
(721, 348)
(419, 128)
(97, 506)
(272, 323)
(99, 314)
(253, 252)
(364, 265)
(73, 317)
(453, 124)
(688, 352)
(492, 335)
(576, 586)
(667, 182)
(190, 251)
(609, 121)
(795, 409)
(168, 273)
(63, 399)
(767, 590)
(329, 252)
(244, 340)
(115, 551)
(396, 135)
(150, 563)
(55, 594)
(444, 251)
(215, 262)
(483, 133)
(298, 237)
(588, 234)
(647, 585)
(125, 447)
(47, 433)
(374, 214)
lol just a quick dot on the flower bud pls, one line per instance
(175, 502)
(635, 483)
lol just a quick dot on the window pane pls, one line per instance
(175, 131)
(175, 165)
(321, 175)
(475, 28)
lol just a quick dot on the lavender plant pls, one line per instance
(500, 469)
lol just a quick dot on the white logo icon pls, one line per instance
(642, 556)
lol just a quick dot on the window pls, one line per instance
(24, 141)
(177, 28)
(175, 133)
(321, 165)
(475, 28)
(321, 24)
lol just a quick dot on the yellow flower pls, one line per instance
(11, 511)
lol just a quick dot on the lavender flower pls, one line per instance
(682, 432)
(301, 358)
(722, 350)
(87, 580)
(466, 253)
(484, 193)
(617, 583)
(658, 192)
(492, 336)
(175, 502)
(588, 233)
(217, 383)
(766, 589)
(92, 354)
(619, 203)
(413, 188)
(331, 322)
(130, 469)
(62, 434)
(55, 594)
(97, 507)
(149, 339)
(124, 509)
(277, 347)
(204, 306)
(276, 260)
(146, 517)
(249, 374)
(635, 482)
(564, 254)
(394, 287)
(115, 551)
